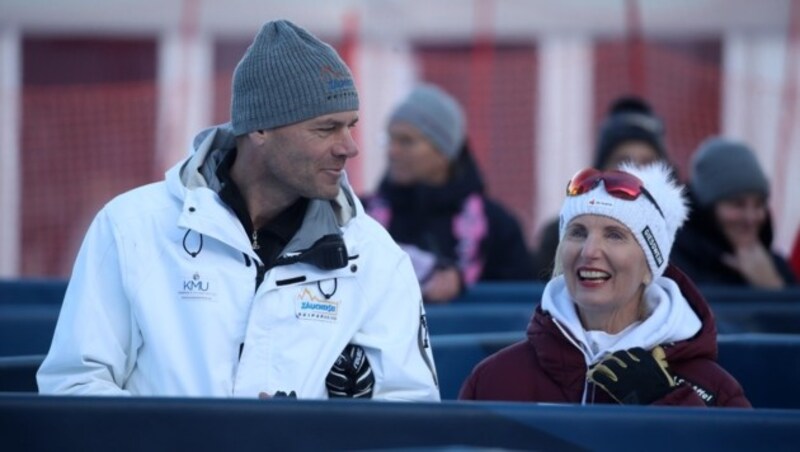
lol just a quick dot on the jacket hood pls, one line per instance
(560, 353)
(465, 180)
(198, 172)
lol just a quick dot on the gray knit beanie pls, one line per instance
(287, 75)
(437, 115)
(721, 168)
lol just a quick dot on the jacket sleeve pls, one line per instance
(395, 337)
(468, 388)
(727, 393)
(91, 349)
(730, 393)
(683, 395)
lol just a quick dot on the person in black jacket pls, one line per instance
(433, 201)
(728, 238)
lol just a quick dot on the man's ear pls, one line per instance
(258, 136)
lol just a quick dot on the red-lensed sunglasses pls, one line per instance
(618, 184)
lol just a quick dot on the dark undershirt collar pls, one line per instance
(270, 239)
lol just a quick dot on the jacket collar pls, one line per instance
(198, 173)
(556, 344)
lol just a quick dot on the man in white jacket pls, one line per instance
(252, 269)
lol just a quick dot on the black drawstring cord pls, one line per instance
(328, 295)
(185, 248)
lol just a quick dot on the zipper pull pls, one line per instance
(261, 270)
(256, 246)
(423, 323)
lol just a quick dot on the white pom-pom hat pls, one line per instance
(654, 229)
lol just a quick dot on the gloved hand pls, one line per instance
(351, 375)
(278, 395)
(634, 376)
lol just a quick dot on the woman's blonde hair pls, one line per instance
(558, 264)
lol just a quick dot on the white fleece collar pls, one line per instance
(671, 319)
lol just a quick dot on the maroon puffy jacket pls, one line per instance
(548, 368)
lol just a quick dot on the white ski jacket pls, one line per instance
(163, 300)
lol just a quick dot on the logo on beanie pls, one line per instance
(598, 202)
(653, 245)
(336, 80)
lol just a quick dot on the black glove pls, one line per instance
(351, 375)
(278, 395)
(282, 394)
(634, 376)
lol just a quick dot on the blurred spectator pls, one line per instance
(728, 237)
(617, 323)
(631, 132)
(433, 201)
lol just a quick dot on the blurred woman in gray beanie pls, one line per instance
(728, 237)
(433, 202)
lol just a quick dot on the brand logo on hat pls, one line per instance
(653, 245)
(600, 203)
(337, 80)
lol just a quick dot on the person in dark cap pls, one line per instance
(728, 237)
(252, 270)
(434, 203)
(631, 132)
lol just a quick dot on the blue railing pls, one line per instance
(463, 333)
(80, 423)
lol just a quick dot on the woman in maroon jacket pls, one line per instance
(616, 324)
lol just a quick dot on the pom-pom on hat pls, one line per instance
(437, 115)
(286, 76)
(654, 232)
